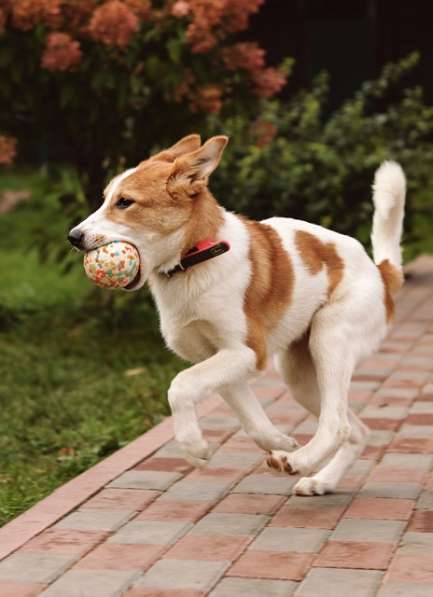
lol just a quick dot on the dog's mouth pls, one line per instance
(135, 282)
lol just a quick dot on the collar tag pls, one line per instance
(204, 250)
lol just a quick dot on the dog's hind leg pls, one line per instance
(327, 479)
(298, 370)
(339, 429)
(254, 420)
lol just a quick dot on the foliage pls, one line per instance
(298, 161)
(96, 83)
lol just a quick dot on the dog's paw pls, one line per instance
(287, 462)
(196, 453)
(307, 486)
(275, 441)
(279, 461)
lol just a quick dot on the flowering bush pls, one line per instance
(99, 82)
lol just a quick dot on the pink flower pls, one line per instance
(248, 56)
(263, 132)
(268, 82)
(8, 150)
(113, 23)
(180, 9)
(28, 13)
(61, 52)
(208, 99)
(2, 20)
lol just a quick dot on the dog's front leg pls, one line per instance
(254, 419)
(227, 366)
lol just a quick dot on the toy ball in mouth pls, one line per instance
(114, 265)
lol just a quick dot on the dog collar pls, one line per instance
(202, 251)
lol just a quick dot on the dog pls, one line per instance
(310, 297)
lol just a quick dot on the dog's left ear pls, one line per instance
(192, 171)
(186, 145)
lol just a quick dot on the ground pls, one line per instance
(142, 523)
(81, 372)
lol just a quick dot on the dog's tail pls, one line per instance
(389, 191)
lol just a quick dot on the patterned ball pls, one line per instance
(113, 265)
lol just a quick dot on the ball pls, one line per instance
(114, 265)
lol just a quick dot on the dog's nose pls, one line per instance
(76, 238)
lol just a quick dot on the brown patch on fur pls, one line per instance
(159, 207)
(270, 288)
(316, 254)
(392, 281)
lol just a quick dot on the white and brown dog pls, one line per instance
(308, 296)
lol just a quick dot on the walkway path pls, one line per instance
(144, 524)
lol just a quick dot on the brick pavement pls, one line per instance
(154, 527)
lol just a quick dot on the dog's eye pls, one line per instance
(123, 203)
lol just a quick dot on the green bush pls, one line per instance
(298, 161)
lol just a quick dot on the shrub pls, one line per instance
(298, 160)
(98, 83)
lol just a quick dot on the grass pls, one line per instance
(80, 375)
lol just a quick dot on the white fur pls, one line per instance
(203, 320)
(389, 192)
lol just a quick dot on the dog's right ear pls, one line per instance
(192, 170)
(186, 145)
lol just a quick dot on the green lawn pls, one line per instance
(82, 372)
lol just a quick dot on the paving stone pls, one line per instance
(398, 392)
(413, 542)
(411, 568)
(321, 512)
(94, 520)
(114, 556)
(418, 461)
(266, 483)
(183, 574)
(178, 465)
(208, 547)
(380, 508)
(352, 529)
(393, 474)
(254, 587)
(422, 408)
(422, 521)
(248, 503)
(404, 589)
(272, 564)
(91, 583)
(121, 499)
(34, 567)
(215, 422)
(230, 524)
(230, 459)
(146, 480)
(143, 592)
(17, 589)
(425, 501)
(391, 490)
(412, 445)
(367, 555)
(328, 582)
(379, 437)
(64, 541)
(286, 539)
(175, 510)
(190, 489)
(150, 532)
(385, 412)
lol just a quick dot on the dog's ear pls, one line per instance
(192, 171)
(186, 145)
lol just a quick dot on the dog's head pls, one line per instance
(151, 205)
